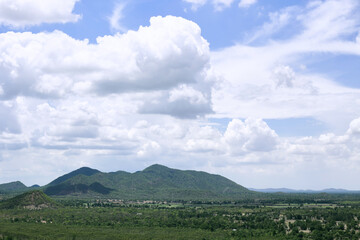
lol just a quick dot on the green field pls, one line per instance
(162, 220)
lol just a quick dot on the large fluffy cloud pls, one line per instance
(79, 103)
(330, 146)
(22, 13)
(251, 135)
(168, 52)
(85, 131)
(159, 57)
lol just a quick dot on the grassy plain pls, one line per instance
(185, 220)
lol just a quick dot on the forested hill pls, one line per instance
(154, 182)
(12, 187)
(31, 200)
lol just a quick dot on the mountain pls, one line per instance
(155, 182)
(287, 190)
(31, 200)
(161, 176)
(83, 171)
(12, 187)
(339, 190)
(275, 190)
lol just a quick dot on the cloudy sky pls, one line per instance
(264, 92)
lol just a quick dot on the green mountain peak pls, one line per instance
(83, 170)
(156, 167)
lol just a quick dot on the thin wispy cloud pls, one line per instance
(246, 3)
(277, 22)
(116, 17)
(195, 4)
(218, 5)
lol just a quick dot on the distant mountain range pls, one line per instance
(288, 190)
(156, 182)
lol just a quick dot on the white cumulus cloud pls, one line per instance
(23, 13)
(354, 128)
(285, 76)
(250, 135)
(160, 57)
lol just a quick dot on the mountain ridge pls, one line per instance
(289, 190)
(83, 170)
(154, 182)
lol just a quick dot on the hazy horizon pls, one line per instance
(265, 93)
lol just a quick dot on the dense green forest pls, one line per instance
(252, 219)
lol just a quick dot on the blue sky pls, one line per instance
(265, 93)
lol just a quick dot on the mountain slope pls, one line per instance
(83, 171)
(12, 187)
(161, 176)
(68, 188)
(154, 182)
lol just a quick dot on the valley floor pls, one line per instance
(102, 220)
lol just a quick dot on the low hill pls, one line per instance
(12, 187)
(154, 182)
(30, 200)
